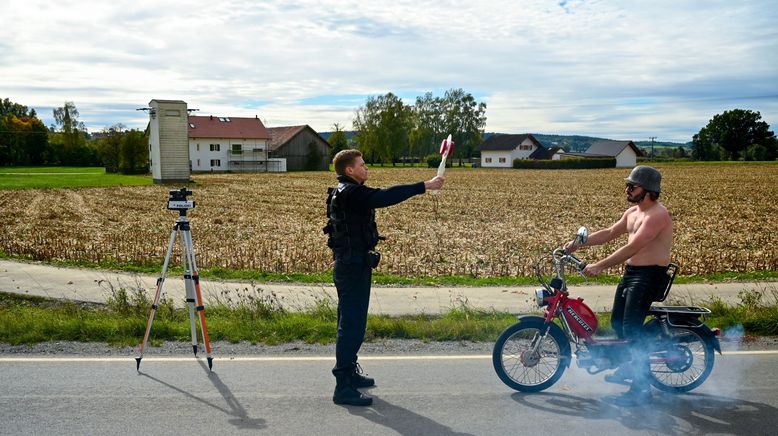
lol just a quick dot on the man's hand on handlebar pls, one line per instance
(592, 270)
(571, 246)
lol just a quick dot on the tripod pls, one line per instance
(181, 228)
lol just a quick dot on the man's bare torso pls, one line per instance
(657, 251)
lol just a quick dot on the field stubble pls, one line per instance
(484, 222)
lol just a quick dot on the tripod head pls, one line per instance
(179, 202)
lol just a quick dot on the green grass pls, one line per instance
(65, 177)
(259, 318)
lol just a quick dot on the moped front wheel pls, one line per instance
(681, 361)
(531, 355)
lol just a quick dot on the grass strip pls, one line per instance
(261, 319)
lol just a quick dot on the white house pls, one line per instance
(625, 152)
(230, 144)
(500, 150)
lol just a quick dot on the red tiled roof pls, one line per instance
(219, 127)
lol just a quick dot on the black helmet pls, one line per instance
(647, 177)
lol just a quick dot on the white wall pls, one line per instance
(495, 157)
(626, 159)
(201, 155)
(509, 156)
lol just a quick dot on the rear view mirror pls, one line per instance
(581, 236)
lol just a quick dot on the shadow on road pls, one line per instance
(669, 414)
(401, 420)
(240, 418)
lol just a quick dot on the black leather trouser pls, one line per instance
(639, 287)
(352, 276)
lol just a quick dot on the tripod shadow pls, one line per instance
(670, 414)
(401, 420)
(240, 418)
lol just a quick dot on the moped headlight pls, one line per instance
(540, 295)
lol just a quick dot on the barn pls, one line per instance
(301, 146)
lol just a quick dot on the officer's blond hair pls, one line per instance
(344, 159)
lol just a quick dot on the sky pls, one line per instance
(612, 69)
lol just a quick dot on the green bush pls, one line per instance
(433, 160)
(573, 163)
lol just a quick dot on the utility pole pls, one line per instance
(652, 146)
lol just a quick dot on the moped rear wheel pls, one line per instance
(681, 361)
(524, 370)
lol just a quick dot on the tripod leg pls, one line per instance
(200, 307)
(189, 286)
(160, 282)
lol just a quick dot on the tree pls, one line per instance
(465, 119)
(70, 138)
(338, 140)
(23, 137)
(108, 147)
(731, 134)
(382, 127)
(313, 158)
(133, 153)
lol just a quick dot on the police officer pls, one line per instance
(353, 236)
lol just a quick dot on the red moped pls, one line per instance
(532, 354)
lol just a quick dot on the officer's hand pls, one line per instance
(434, 184)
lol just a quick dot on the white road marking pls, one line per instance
(287, 358)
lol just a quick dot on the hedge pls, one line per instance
(573, 163)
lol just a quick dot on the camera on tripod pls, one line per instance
(178, 201)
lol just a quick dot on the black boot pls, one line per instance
(347, 394)
(358, 380)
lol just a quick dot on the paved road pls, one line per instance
(416, 395)
(96, 285)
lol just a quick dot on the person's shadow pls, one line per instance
(240, 418)
(401, 420)
(680, 414)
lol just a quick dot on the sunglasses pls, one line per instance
(631, 187)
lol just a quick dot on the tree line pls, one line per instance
(26, 141)
(388, 130)
(734, 135)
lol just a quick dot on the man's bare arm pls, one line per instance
(602, 236)
(648, 231)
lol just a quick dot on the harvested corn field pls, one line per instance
(484, 222)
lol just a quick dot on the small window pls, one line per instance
(502, 160)
(198, 147)
(488, 160)
(236, 149)
(216, 163)
(198, 163)
(215, 147)
(191, 125)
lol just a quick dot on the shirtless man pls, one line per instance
(647, 254)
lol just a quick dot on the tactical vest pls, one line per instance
(349, 229)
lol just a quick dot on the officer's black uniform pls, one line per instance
(352, 237)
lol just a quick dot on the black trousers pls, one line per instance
(639, 287)
(352, 276)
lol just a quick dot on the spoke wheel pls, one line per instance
(525, 367)
(681, 361)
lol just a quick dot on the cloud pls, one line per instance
(612, 69)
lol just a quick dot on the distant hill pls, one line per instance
(568, 142)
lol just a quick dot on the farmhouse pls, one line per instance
(301, 146)
(625, 152)
(230, 144)
(501, 149)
